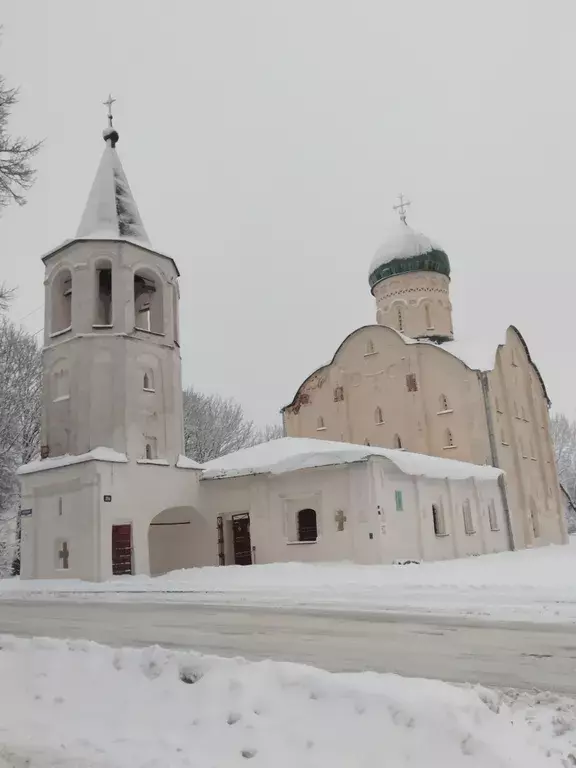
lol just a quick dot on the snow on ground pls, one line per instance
(531, 585)
(79, 704)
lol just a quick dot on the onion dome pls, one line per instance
(406, 250)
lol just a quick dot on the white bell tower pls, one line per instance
(112, 432)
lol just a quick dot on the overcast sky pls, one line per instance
(265, 142)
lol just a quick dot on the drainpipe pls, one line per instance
(494, 455)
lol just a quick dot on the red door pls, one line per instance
(122, 549)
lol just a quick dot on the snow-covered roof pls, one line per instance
(291, 453)
(111, 211)
(184, 462)
(96, 454)
(402, 242)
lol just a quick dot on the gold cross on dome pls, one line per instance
(108, 103)
(401, 207)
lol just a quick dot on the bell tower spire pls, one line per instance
(111, 211)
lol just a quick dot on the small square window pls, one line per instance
(411, 383)
(399, 501)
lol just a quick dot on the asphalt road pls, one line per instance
(505, 654)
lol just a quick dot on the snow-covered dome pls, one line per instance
(406, 250)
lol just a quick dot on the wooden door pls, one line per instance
(242, 541)
(122, 549)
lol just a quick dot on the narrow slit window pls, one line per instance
(320, 423)
(444, 405)
(449, 438)
(438, 520)
(378, 416)
(397, 441)
(428, 315)
(492, 516)
(469, 528)
(399, 501)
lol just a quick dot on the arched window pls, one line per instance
(320, 423)
(61, 298)
(370, 347)
(449, 439)
(467, 517)
(378, 417)
(148, 302)
(307, 525)
(397, 441)
(103, 313)
(438, 520)
(148, 380)
(150, 448)
(444, 405)
(428, 316)
(400, 319)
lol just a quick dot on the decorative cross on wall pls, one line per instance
(64, 555)
(340, 518)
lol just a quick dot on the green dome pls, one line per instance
(406, 250)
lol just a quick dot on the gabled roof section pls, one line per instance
(111, 211)
(476, 355)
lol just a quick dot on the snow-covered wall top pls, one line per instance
(291, 453)
(96, 454)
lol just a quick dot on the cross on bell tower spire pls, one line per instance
(110, 134)
(401, 207)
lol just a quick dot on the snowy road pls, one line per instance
(514, 654)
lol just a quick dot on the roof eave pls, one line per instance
(122, 240)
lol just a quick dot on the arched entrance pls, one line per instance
(181, 537)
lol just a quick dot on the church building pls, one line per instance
(409, 383)
(399, 449)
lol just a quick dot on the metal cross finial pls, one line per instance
(401, 207)
(108, 103)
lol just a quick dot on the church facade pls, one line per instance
(405, 383)
(398, 449)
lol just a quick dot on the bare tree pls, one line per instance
(214, 426)
(20, 402)
(563, 432)
(16, 153)
(269, 432)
